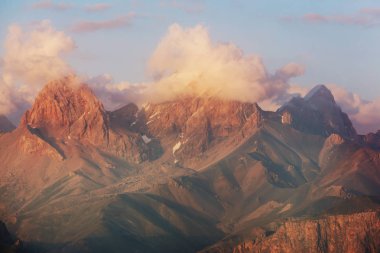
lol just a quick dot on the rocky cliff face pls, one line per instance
(199, 123)
(67, 111)
(318, 113)
(355, 233)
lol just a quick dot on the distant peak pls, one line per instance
(5, 124)
(320, 91)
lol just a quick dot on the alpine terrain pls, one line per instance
(195, 174)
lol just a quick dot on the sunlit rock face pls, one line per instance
(199, 123)
(286, 118)
(356, 233)
(67, 110)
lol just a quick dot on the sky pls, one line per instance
(274, 48)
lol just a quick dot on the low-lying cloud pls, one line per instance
(115, 95)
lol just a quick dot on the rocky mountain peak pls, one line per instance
(317, 113)
(67, 108)
(320, 93)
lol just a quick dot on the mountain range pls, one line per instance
(196, 174)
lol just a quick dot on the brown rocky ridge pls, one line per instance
(354, 233)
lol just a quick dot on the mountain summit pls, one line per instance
(66, 108)
(318, 113)
(320, 93)
(66, 113)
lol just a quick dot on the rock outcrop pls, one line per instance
(328, 149)
(355, 233)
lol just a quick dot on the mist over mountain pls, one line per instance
(195, 173)
(5, 124)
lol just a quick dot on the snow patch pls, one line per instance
(286, 208)
(154, 114)
(146, 139)
(146, 106)
(176, 147)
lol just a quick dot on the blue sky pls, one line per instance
(345, 54)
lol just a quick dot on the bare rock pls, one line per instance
(355, 233)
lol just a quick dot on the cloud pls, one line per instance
(97, 7)
(91, 26)
(187, 62)
(364, 17)
(115, 95)
(50, 5)
(31, 59)
(364, 114)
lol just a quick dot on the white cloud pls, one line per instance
(187, 62)
(364, 114)
(31, 59)
(115, 95)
